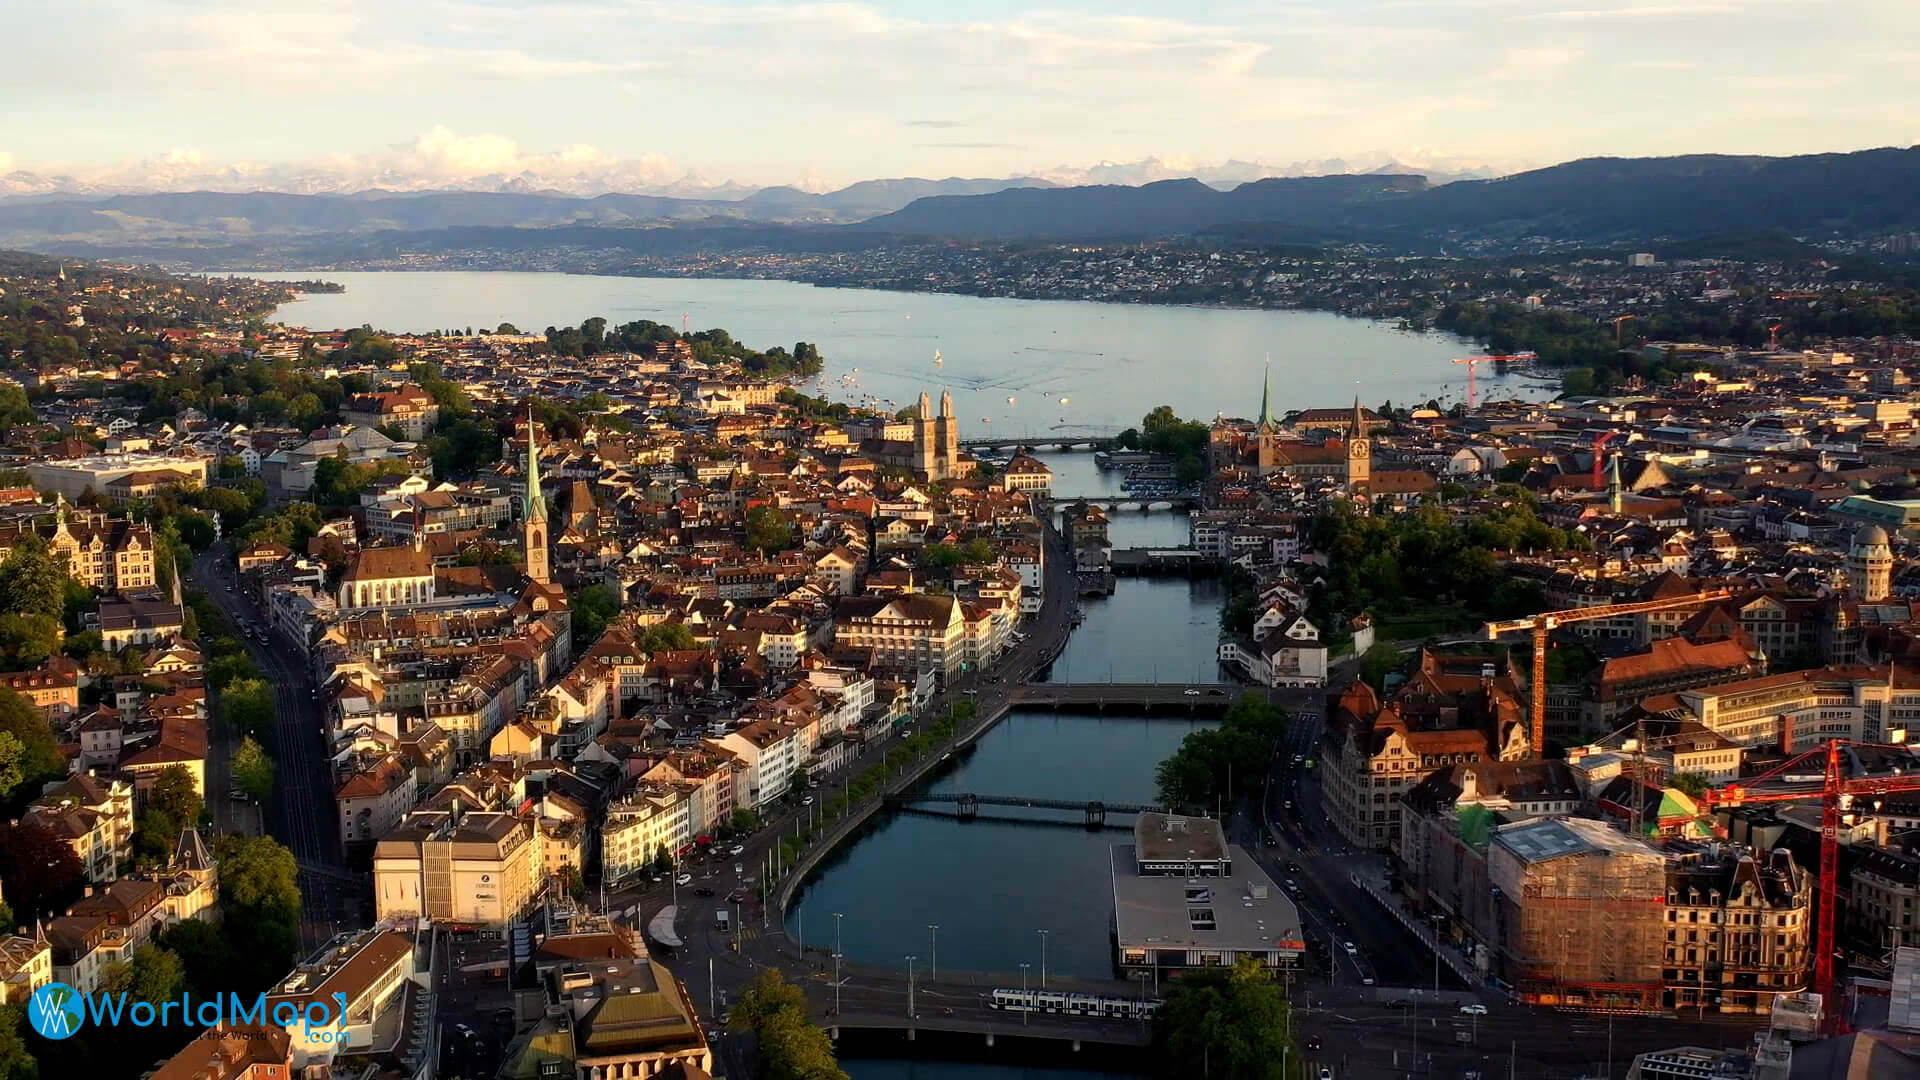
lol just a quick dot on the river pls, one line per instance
(1069, 367)
(989, 886)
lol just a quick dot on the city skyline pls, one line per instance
(590, 97)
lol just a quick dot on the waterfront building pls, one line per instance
(1026, 473)
(913, 633)
(1185, 898)
(932, 452)
(610, 1012)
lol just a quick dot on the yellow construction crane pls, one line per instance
(1540, 625)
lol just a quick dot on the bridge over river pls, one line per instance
(1134, 697)
(969, 804)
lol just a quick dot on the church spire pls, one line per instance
(1359, 418)
(536, 506)
(1266, 395)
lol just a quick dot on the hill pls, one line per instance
(1591, 200)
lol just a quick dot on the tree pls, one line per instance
(32, 581)
(16, 1063)
(253, 770)
(768, 530)
(39, 872)
(11, 751)
(592, 607)
(260, 898)
(1218, 765)
(173, 794)
(1225, 1023)
(247, 705)
(507, 328)
(1691, 784)
(667, 637)
(27, 640)
(789, 1046)
(153, 975)
(40, 759)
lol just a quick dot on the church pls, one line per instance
(1267, 447)
(932, 452)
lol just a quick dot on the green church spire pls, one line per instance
(536, 506)
(1266, 396)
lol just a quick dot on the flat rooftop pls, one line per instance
(1243, 912)
(1164, 837)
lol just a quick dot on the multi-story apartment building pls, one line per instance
(53, 687)
(655, 818)
(770, 750)
(111, 554)
(1453, 711)
(93, 816)
(912, 633)
(1737, 930)
(460, 867)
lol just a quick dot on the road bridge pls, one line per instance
(1143, 503)
(969, 804)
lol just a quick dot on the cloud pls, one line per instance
(972, 146)
(935, 123)
(1645, 11)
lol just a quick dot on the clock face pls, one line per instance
(1357, 447)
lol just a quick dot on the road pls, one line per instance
(302, 813)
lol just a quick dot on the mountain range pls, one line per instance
(1591, 201)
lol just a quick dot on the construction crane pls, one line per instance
(1542, 624)
(1618, 322)
(1836, 793)
(1473, 364)
(1773, 338)
(1604, 438)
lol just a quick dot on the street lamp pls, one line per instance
(1026, 1006)
(910, 961)
(836, 982)
(1043, 959)
(933, 957)
(836, 933)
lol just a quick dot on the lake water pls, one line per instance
(1018, 367)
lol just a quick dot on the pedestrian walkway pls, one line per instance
(1372, 881)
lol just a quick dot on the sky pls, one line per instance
(636, 95)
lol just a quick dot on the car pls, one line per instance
(1352, 949)
(655, 878)
(683, 879)
(808, 801)
(1312, 1043)
(703, 891)
(1366, 980)
(1473, 1010)
(1325, 1073)
(1292, 885)
(1399, 1003)
(1190, 692)
(736, 849)
(1216, 693)
(739, 869)
(465, 1031)
(1292, 867)
(237, 796)
(504, 1012)
(1270, 840)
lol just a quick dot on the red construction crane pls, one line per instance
(1546, 621)
(1773, 337)
(1836, 792)
(1473, 364)
(1605, 438)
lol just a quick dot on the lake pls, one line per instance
(1016, 367)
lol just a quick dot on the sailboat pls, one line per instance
(1009, 399)
(1065, 400)
(938, 359)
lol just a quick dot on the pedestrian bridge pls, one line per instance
(969, 804)
(1131, 697)
(1143, 503)
(1078, 1031)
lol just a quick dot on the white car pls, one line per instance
(1351, 948)
(683, 879)
(1191, 692)
(738, 869)
(808, 801)
(1473, 1010)
(736, 849)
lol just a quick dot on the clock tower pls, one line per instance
(1359, 451)
(533, 520)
